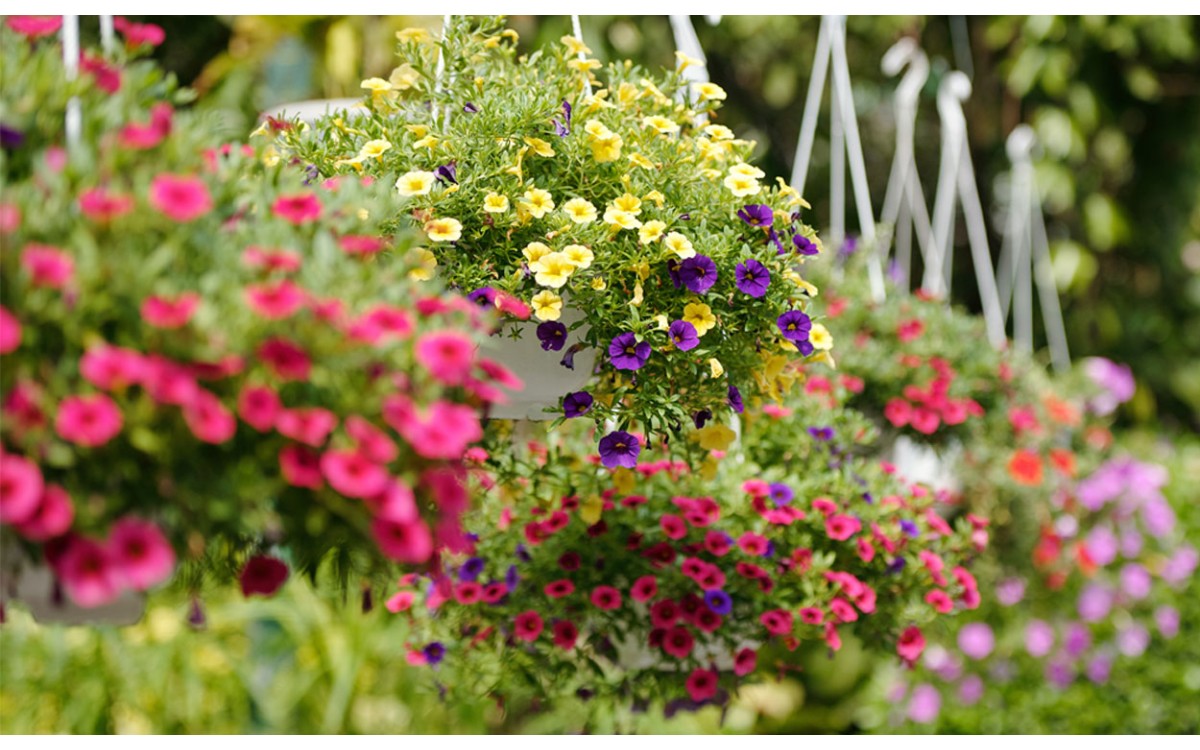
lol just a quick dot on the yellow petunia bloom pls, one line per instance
(651, 232)
(412, 34)
(641, 161)
(747, 170)
(606, 149)
(579, 256)
(825, 357)
(270, 156)
(443, 230)
(540, 147)
(661, 124)
(715, 367)
(596, 129)
(404, 77)
(377, 86)
(374, 149)
(546, 305)
(419, 131)
(799, 281)
(655, 196)
(430, 142)
(598, 284)
(575, 46)
(415, 183)
(423, 263)
(718, 132)
(535, 251)
(700, 315)
(583, 66)
(538, 202)
(742, 186)
(820, 338)
(624, 480)
(494, 203)
(552, 270)
(637, 295)
(715, 436)
(629, 203)
(627, 93)
(710, 91)
(680, 245)
(662, 322)
(271, 159)
(686, 61)
(619, 219)
(581, 211)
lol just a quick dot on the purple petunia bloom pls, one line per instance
(512, 577)
(552, 334)
(781, 494)
(1101, 545)
(577, 404)
(673, 272)
(683, 335)
(970, 690)
(701, 418)
(824, 434)
(434, 653)
(795, 326)
(1059, 672)
(619, 449)
(698, 273)
(471, 109)
(1135, 581)
(10, 137)
(448, 172)
(734, 397)
(804, 245)
(484, 296)
(718, 601)
(1116, 380)
(1132, 640)
(773, 237)
(627, 353)
(753, 278)
(896, 566)
(1095, 602)
(756, 215)
(909, 528)
(1010, 591)
(470, 569)
(1039, 638)
(1180, 566)
(563, 128)
(522, 555)
(1077, 639)
(1099, 668)
(976, 640)
(925, 704)
(1166, 618)
(568, 360)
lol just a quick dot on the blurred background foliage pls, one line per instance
(1115, 102)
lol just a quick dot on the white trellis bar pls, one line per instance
(844, 143)
(688, 43)
(107, 35)
(70, 42)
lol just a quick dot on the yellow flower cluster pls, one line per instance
(605, 144)
(553, 268)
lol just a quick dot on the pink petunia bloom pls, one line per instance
(940, 601)
(21, 488)
(208, 419)
(924, 421)
(925, 704)
(909, 330)
(309, 425)
(34, 27)
(169, 382)
(276, 301)
(753, 544)
(141, 554)
(447, 355)
(271, 260)
(371, 441)
(841, 527)
(832, 638)
(842, 610)
(448, 487)
(353, 474)
(824, 506)
(606, 598)
(262, 574)
(444, 431)
(498, 373)
(976, 640)
(468, 592)
(395, 503)
(88, 420)
(47, 266)
(558, 589)
(702, 684)
(717, 543)
(300, 467)
(297, 209)
(111, 367)
(403, 542)
(361, 245)
(10, 218)
(162, 312)
(137, 34)
(663, 614)
(400, 602)
(88, 573)
(101, 205)
(287, 360)
(777, 621)
(259, 407)
(678, 642)
(528, 626)
(911, 644)
(52, 518)
(180, 197)
(898, 412)
(142, 136)
(811, 616)
(10, 331)
(745, 662)
(644, 589)
(673, 526)
(565, 634)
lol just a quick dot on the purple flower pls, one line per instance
(1167, 619)
(701, 418)
(1095, 602)
(756, 215)
(1010, 591)
(10, 138)
(470, 109)
(673, 272)
(434, 653)
(698, 273)
(909, 528)
(1131, 543)
(1181, 565)
(781, 494)
(1158, 517)
(925, 704)
(970, 690)
(552, 334)
(1135, 581)
(577, 404)
(1077, 639)
(849, 246)
(1133, 640)
(718, 601)
(804, 245)
(1116, 380)
(1099, 668)
(484, 296)
(773, 237)
(522, 555)
(976, 640)
(470, 569)
(627, 353)
(753, 278)
(448, 172)
(1039, 638)
(683, 335)
(568, 360)
(734, 397)
(1058, 672)
(823, 434)
(619, 449)
(197, 619)
(896, 566)
(563, 129)
(1101, 545)
(512, 577)
(795, 326)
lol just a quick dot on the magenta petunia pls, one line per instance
(276, 301)
(51, 518)
(10, 331)
(297, 209)
(180, 197)
(403, 542)
(163, 312)
(262, 574)
(88, 420)
(310, 425)
(745, 662)
(528, 626)
(142, 555)
(911, 644)
(702, 684)
(208, 419)
(99, 204)
(606, 598)
(301, 467)
(565, 634)
(88, 573)
(21, 488)
(259, 406)
(47, 266)
(111, 367)
(353, 474)
(447, 355)
(287, 360)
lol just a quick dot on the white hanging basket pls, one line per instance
(936, 469)
(34, 585)
(546, 379)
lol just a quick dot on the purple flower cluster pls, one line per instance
(627, 353)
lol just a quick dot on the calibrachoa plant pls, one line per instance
(613, 210)
(208, 354)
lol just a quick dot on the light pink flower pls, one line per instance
(389, 319)
(47, 266)
(88, 573)
(21, 410)
(394, 503)
(209, 419)
(371, 441)
(52, 517)
(297, 209)
(10, 218)
(271, 260)
(286, 360)
(141, 554)
(162, 312)
(301, 467)
(353, 474)
(111, 367)
(180, 197)
(259, 407)
(448, 355)
(275, 301)
(308, 425)
(444, 431)
(88, 420)
(169, 382)
(146, 136)
(360, 245)
(101, 205)
(403, 542)
(10, 331)
(20, 488)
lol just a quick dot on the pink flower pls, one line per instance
(403, 542)
(10, 331)
(271, 260)
(300, 467)
(259, 407)
(20, 488)
(841, 527)
(106, 76)
(88, 420)
(911, 644)
(169, 382)
(673, 526)
(702, 684)
(400, 602)
(717, 543)
(209, 419)
(88, 573)
(180, 197)
(285, 359)
(777, 621)
(811, 616)
(843, 610)
(448, 355)
(832, 638)
(361, 245)
(297, 209)
(10, 218)
(644, 589)
(100, 205)
(909, 330)
(371, 441)
(34, 27)
(444, 431)
(162, 312)
(141, 554)
(824, 506)
(111, 367)
(565, 634)
(353, 474)
(275, 301)
(307, 425)
(262, 574)
(52, 518)
(924, 421)
(745, 662)
(606, 598)
(141, 136)
(558, 589)
(898, 412)
(467, 592)
(528, 626)
(753, 544)
(137, 34)
(388, 319)
(395, 503)
(678, 642)
(448, 487)
(47, 266)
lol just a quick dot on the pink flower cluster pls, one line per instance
(927, 408)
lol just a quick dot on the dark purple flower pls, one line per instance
(734, 397)
(849, 246)
(910, 528)
(577, 404)
(698, 273)
(773, 237)
(10, 137)
(563, 129)
(795, 326)
(683, 335)
(821, 433)
(311, 173)
(718, 601)
(897, 565)
(781, 494)
(470, 108)
(804, 245)
(568, 360)
(673, 272)
(627, 353)
(619, 449)
(512, 577)
(448, 172)
(753, 278)
(701, 418)
(552, 334)
(522, 555)
(196, 616)
(434, 653)
(484, 296)
(471, 569)
(756, 215)
(685, 217)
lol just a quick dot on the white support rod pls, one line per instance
(70, 42)
(980, 253)
(902, 238)
(108, 39)
(688, 43)
(919, 212)
(1052, 317)
(439, 72)
(812, 108)
(1007, 264)
(578, 31)
(943, 209)
(837, 172)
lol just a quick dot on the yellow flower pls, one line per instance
(404, 77)
(655, 196)
(715, 436)
(642, 270)
(540, 147)
(641, 161)
(535, 251)
(679, 245)
(596, 129)
(591, 510)
(430, 142)
(374, 149)
(662, 322)
(607, 148)
(747, 170)
(651, 231)
(627, 93)
(420, 131)
(377, 86)
(624, 480)
(794, 198)
(270, 156)
(581, 211)
(661, 124)
(412, 34)
(700, 315)
(547, 305)
(629, 203)
(824, 356)
(685, 61)
(583, 66)
(819, 337)
(423, 264)
(741, 185)
(575, 46)
(579, 256)
(273, 159)
(619, 219)
(715, 367)
(510, 34)
(637, 295)
(799, 281)
(718, 132)
(552, 270)
(443, 230)
(415, 183)
(598, 284)
(538, 202)
(710, 91)
(494, 203)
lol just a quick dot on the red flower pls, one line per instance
(262, 575)
(565, 634)
(1025, 467)
(606, 598)
(663, 614)
(911, 644)
(570, 561)
(678, 642)
(702, 684)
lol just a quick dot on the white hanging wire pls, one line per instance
(70, 42)
(577, 30)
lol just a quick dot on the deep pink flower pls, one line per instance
(924, 421)
(745, 662)
(262, 574)
(20, 488)
(10, 218)
(753, 544)
(560, 588)
(911, 644)
(528, 626)
(180, 197)
(111, 367)
(717, 543)
(702, 684)
(606, 598)
(209, 419)
(98, 204)
(371, 441)
(843, 610)
(259, 407)
(663, 614)
(10, 331)
(468, 592)
(169, 382)
(271, 260)
(673, 526)
(52, 518)
(360, 245)
(400, 601)
(34, 27)
(88, 420)
(447, 355)
(898, 412)
(395, 503)
(353, 474)
(811, 616)
(448, 487)
(141, 554)
(777, 621)
(824, 506)
(88, 573)
(389, 320)
(841, 527)
(565, 634)
(275, 301)
(137, 34)
(47, 266)
(307, 425)
(162, 312)
(403, 542)
(285, 359)
(297, 209)
(644, 589)
(444, 431)
(678, 642)
(142, 136)
(300, 467)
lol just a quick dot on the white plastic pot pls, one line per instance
(546, 379)
(34, 586)
(916, 462)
